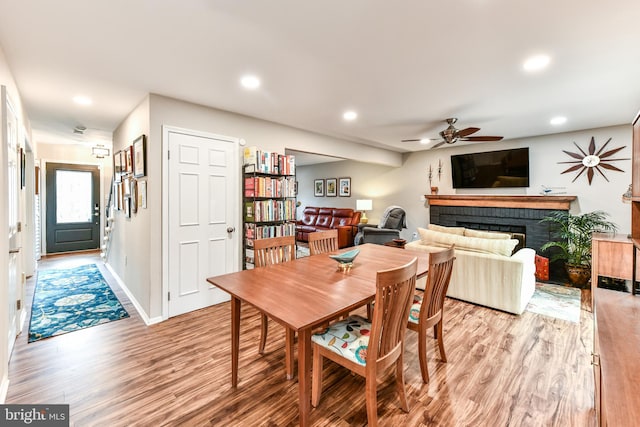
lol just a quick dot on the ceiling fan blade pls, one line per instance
(467, 132)
(482, 138)
(438, 145)
(411, 140)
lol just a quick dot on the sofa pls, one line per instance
(314, 219)
(485, 271)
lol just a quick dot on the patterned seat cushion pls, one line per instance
(348, 338)
(414, 312)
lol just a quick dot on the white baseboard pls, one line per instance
(4, 388)
(145, 318)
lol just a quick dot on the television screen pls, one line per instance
(491, 169)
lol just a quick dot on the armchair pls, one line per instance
(393, 220)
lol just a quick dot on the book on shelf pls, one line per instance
(256, 160)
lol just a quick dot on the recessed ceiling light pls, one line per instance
(558, 120)
(250, 82)
(425, 141)
(350, 115)
(82, 100)
(536, 63)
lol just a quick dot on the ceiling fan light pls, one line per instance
(560, 120)
(425, 141)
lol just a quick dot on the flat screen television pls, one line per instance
(491, 169)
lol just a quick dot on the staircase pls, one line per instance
(109, 223)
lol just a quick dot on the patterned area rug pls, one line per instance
(302, 251)
(557, 301)
(66, 300)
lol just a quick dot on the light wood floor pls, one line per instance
(503, 370)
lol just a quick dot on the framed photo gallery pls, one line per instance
(332, 187)
(129, 165)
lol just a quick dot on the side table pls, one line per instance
(394, 244)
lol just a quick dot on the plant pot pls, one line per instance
(579, 275)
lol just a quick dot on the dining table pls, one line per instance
(306, 293)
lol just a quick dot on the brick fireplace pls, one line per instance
(514, 214)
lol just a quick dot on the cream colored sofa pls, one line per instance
(484, 272)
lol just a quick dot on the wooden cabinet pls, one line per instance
(616, 316)
(611, 256)
(616, 348)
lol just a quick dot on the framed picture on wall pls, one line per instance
(332, 190)
(344, 186)
(134, 196)
(128, 155)
(318, 187)
(140, 157)
(117, 166)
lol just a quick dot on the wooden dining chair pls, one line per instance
(266, 252)
(322, 242)
(368, 349)
(427, 311)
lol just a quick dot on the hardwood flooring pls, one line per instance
(503, 370)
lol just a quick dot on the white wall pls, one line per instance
(7, 80)
(406, 185)
(131, 255)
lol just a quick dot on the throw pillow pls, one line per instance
(502, 247)
(486, 234)
(451, 230)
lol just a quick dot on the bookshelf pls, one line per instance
(269, 198)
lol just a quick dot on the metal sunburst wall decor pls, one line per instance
(593, 160)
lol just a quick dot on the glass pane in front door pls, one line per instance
(73, 196)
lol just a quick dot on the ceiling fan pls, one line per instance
(451, 135)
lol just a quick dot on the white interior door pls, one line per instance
(203, 220)
(13, 183)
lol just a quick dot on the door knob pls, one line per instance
(230, 229)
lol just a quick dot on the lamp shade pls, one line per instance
(364, 205)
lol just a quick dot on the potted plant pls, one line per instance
(573, 233)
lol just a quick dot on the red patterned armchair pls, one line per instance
(320, 219)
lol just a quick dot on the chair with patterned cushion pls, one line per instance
(266, 252)
(322, 242)
(427, 311)
(368, 349)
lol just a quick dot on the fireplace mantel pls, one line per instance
(528, 202)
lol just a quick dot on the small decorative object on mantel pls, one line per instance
(434, 190)
(593, 160)
(548, 191)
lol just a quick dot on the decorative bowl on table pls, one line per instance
(399, 241)
(345, 259)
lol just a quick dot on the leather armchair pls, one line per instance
(393, 220)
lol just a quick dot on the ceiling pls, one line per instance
(404, 66)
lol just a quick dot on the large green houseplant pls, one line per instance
(572, 235)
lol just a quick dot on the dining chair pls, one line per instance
(427, 311)
(271, 251)
(368, 349)
(321, 242)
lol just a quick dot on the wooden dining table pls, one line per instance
(306, 293)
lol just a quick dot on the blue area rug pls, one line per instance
(561, 302)
(66, 300)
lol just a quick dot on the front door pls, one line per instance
(203, 200)
(73, 207)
